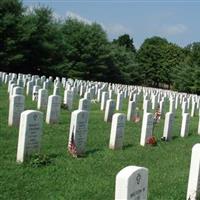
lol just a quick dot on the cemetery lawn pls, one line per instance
(57, 175)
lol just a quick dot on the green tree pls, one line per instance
(158, 59)
(125, 65)
(10, 18)
(149, 57)
(86, 50)
(125, 41)
(41, 41)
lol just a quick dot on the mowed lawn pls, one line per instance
(92, 177)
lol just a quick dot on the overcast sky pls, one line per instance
(178, 21)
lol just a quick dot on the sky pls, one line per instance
(178, 21)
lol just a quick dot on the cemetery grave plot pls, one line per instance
(93, 176)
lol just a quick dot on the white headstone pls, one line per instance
(172, 106)
(185, 124)
(184, 107)
(199, 126)
(104, 98)
(117, 131)
(119, 101)
(30, 132)
(154, 102)
(146, 106)
(193, 190)
(16, 107)
(167, 133)
(132, 183)
(84, 104)
(53, 109)
(18, 90)
(42, 99)
(29, 88)
(109, 111)
(35, 93)
(131, 110)
(147, 128)
(68, 98)
(78, 132)
(56, 91)
(194, 107)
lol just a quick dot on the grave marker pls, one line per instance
(147, 128)
(16, 107)
(131, 183)
(30, 132)
(117, 131)
(53, 109)
(185, 124)
(167, 133)
(78, 132)
(193, 190)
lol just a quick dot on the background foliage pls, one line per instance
(34, 41)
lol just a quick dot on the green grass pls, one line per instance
(92, 177)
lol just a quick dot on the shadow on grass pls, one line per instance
(175, 137)
(92, 151)
(127, 146)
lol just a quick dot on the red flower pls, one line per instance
(72, 146)
(151, 140)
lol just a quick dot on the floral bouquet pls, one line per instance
(151, 140)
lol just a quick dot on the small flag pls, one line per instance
(72, 146)
(157, 116)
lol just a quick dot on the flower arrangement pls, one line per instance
(151, 140)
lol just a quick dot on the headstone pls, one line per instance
(185, 124)
(154, 102)
(29, 88)
(199, 126)
(84, 104)
(176, 102)
(161, 108)
(56, 91)
(167, 133)
(16, 107)
(147, 128)
(132, 183)
(42, 99)
(110, 94)
(146, 106)
(35, 93)
(194, 107)
(68, 99)
(193, 190)
(131, 110)
(78, 132)
(30, 132)
(117, 131)
(109, 111)
(53, 109)
(99, 93)
(119, 101)
(172, 106)
(18, 90)
(104, 98)
(87, 95)
(184, 107)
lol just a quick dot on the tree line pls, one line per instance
(34, 41)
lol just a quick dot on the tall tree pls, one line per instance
(125, 41)
(41, 41)
(87, 50)
(10, 18)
